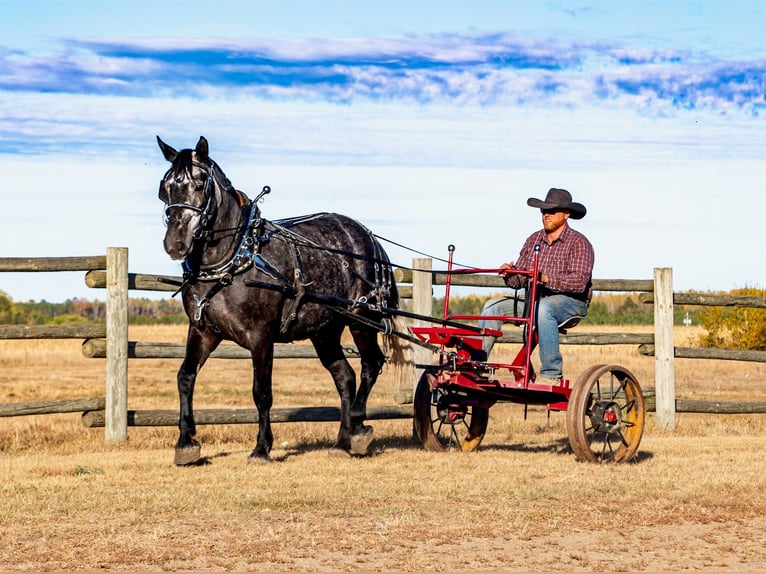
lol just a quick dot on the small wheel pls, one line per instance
(605, 415)
(443, 420)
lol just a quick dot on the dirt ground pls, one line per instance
(693, 500)
(517, 504)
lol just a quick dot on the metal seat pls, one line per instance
(570, 323)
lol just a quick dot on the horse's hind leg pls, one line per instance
(331, 355)
(263, 361)
(372, 362)
(198, 349)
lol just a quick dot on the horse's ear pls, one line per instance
(169, 153)
(202, 150)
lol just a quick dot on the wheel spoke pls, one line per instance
(453, 434)
(623, 440)
(620, 389)
(603, 448)
(628, 406)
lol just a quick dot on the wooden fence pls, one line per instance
(110, 341)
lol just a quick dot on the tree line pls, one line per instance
(140, 311)
(604, 310)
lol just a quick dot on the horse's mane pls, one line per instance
(221, 178)
(183, 161)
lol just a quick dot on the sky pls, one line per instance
(432, 122)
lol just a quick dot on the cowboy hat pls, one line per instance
(559, 199)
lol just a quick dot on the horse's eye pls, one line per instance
(180, 177)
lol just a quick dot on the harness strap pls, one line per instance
(201, 315)
(290, 312)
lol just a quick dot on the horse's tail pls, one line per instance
(399, 349)
(399, 352)
(401, 356)
(397, 340)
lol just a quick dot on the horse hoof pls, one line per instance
(361, 441)
(187, 455)
(258, 459)
(336, 452)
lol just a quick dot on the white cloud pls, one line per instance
(429, 141)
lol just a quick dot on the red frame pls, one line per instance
(481, 379)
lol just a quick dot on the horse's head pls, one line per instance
(188, 190)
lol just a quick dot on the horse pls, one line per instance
(258, 282)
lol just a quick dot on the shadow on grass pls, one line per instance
(402, 442)
(379, 446)
(559, 447)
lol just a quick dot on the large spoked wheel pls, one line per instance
(443, 420)
(605, 415)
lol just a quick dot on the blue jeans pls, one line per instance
(552, 311)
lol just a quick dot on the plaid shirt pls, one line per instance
(568, 262)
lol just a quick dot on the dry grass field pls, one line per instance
(695, 498)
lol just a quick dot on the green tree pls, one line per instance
(9, 311)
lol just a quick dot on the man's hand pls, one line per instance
(513, 280)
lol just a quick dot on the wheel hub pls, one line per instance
(606, 417)
(450, 412)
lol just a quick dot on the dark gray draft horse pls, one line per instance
(258, 282)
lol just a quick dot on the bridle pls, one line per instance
(207, 211)
(248, 228)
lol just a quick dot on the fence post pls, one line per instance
(116, 412)
(422, 293)
(664, 349)
(407, 379)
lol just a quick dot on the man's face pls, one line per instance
(554, 219)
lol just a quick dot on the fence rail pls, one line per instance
(85, 331)
(711, 300)
(163, 417)
(479, 280)
(52, 407)
(45, 264)
(97, 349)
(110, 341)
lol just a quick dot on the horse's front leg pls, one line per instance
(199, 345)
(263, 361)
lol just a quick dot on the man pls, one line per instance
(566, 267)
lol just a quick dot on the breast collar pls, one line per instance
(241, 260)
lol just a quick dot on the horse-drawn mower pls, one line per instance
(604, 407)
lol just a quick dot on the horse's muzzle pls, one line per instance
(176, 248)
